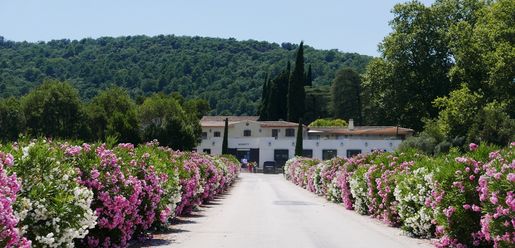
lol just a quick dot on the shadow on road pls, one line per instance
(181, 221)
(165, 236)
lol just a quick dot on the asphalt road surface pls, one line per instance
(268, 211)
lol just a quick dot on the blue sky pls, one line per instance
(347, 25)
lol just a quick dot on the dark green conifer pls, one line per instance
(299, 146)
(296, 93)
(225, 142)
(309, 77)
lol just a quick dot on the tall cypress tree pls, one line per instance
(299, 146)
(264, 109)
(277, 90)
(296, 93)
(309, 77)
(225, 142)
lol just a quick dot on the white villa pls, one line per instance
(260, 141)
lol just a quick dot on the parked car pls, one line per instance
(269, 167)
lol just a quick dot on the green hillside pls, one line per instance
(226, 72)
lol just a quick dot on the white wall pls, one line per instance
(267, 145)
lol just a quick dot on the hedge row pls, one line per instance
(54, 194)
(463, 201)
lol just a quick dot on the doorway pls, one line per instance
(281, 156)
(243, 154)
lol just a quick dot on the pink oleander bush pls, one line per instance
(100, 196)
(53, 209)
(496, 192)
(347, 169)
(462, 200)
(300, 171)
(325, 180)
(127, 193)
(9, 186)
(202, 177)
(190, 185)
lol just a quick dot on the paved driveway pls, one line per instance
(268, 211)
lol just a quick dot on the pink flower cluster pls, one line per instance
(135, 189)
(129, 188)
(497, 199)
(300, 171)
(126, 193)
(478, 205)
(9, 187)
(201, 179)
(471, 198)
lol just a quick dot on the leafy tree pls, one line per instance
(53, 110)
(399, 87)
(482, 45)
(492, 125)
(226, 72)
(318, 103)
(346, 91)
(225, 141)
(163, 118)
(296, 93)
(299, 144)
(113, 113)
(196, 106)
(426, 141)
(328, 123)
(12, 119)
(458, 111)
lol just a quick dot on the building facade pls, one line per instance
(260, 141)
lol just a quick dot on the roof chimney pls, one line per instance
(351, 124)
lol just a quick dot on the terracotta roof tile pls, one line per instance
(231, 118)
(278, 124)
(366, 130)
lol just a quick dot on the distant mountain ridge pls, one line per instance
(226, 72)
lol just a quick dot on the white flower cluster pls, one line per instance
(411, 193)
(52, 207)
(334, 191)
(25, 150)
(358, 189)
(78, 219)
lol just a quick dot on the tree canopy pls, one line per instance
(328, 123)
(346, 95)
(54, 110)
(446, 70)
(227, 73)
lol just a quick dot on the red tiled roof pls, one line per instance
(278, 124)
(219, 121)
(231, 118)
(216, 123)
(366, 130)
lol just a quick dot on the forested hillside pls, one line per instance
(226, 72)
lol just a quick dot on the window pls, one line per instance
(275, 133)
(290, 132)
(216, 134)
(204, 135)
(246, 133)
(308, 153)
(281, 156)
(352, 152)
(208, 151)
(328, 154)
